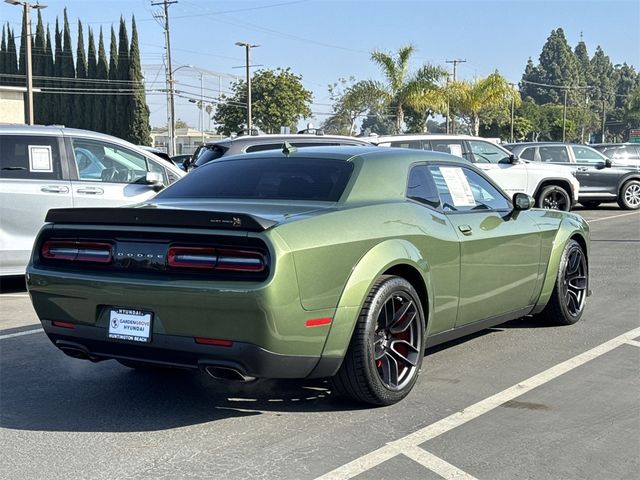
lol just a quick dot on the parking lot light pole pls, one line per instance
(26, 41)
(248, 48)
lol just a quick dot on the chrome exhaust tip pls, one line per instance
(227, 373)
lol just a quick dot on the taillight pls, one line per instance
(216, 259)
(77, 251)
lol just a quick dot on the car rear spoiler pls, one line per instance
(159, 217)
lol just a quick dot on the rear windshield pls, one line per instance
(209, 153)
(265, 178)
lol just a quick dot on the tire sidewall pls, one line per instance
(385, 290)
(550, 189)
(571, 246)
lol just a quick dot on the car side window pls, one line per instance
(556, 154)
(415, 144)
(421, 187)
(99, 161)
(586, 155)
(454, 147)
(462, 189)
(528, 154)
(487, 152)
(30, 157)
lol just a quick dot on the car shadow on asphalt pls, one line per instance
(51, 392)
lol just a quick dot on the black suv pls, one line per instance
(600, 181)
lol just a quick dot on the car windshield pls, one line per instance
(265, 178)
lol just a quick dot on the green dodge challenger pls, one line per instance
(340, 262)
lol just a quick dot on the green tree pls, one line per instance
(58, 97)
(92, 75)
(68, 75)
(138, 119)
(11, 66)
(350, 101)
(3, 54)
(278, 99)
(80, 118)
(122, 101)
(48, 99)
(39, 65)
(111, 118)
(102, 75)
(419, 90)
(627, 80)
(378, 122)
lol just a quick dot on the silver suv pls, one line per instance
(55, 167)
(259, 143)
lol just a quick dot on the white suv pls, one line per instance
(55, 167)
(552, 186)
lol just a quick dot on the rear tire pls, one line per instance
(629, 197)
(554, 197)
(590, 203)
(566, 305)
(387, 347)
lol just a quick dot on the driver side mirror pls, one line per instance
(154, 180)
(522, 201)
(608, 163)
(513, 159)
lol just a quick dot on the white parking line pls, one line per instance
(612, 216)
(410, 442)
(635, 343)
(19, 334)
(436, 464)
(19, 295)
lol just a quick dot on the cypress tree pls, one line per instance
(110, 105)
(92, 74)
(56, 111)
(139, 130)
(49, 72)
(584, 65)
(102, 73)
(23, 52)
(557, 66)
(123, 113)
(3, 55)
(80, 119)
(68, 74)
(12, 59)
(39, 59)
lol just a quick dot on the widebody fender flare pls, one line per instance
(369, 268)
(570, 227)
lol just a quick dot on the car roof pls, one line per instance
(424, 136)
(303, 137)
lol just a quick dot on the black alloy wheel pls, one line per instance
(397, 341)
(387, 347)
(566, 305)
(554, 197)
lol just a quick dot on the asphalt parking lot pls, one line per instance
(519, 401)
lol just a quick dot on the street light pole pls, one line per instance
(564, 116)
(248, 48)
(27, 48)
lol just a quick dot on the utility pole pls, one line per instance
(604, 117)
(513, 107)
(455, 62)
(26, 41)
(248, 48)
(171, 119)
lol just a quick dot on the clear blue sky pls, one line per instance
(325, 40)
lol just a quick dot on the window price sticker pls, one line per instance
(40, 159)
(458, 186)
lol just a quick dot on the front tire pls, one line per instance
(387, 347)
(569, 296)
(629, 197)
(554, 197)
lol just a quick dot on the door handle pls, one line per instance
(91, 190)
(54, 189)
(583, 169)
(466, 229)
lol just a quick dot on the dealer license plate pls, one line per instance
(130, 325)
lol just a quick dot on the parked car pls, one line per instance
(552, 186)
(51, 167)
(620, 153)
(599, 180)
(179, 160)
(341, 262)
(259, 143)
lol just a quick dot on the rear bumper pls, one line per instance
(177, 351)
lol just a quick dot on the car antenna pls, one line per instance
(288, 149)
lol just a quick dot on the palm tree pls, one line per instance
(471, 98)
(419, 90)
